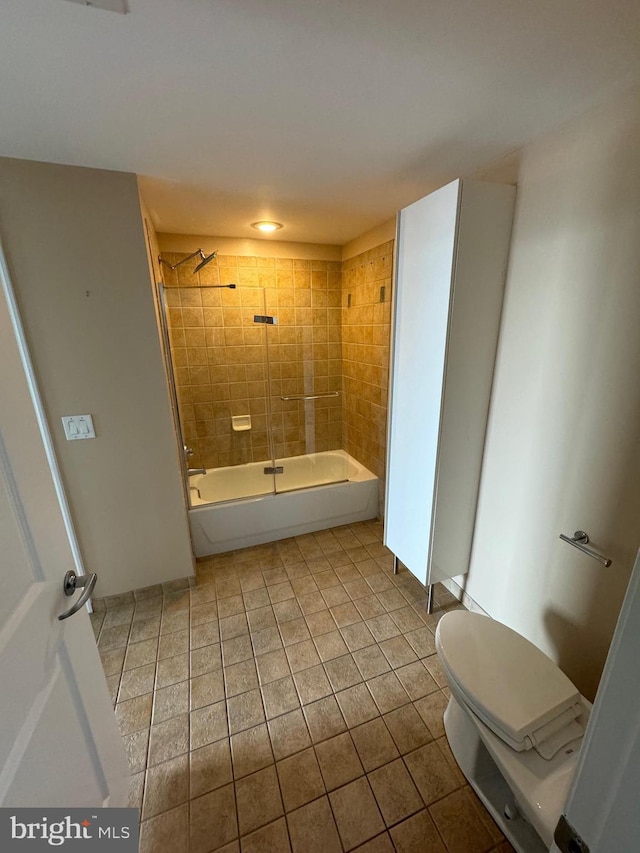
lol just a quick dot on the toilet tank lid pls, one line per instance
(507, 681)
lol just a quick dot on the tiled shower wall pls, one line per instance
(220, 356)
(365, 354)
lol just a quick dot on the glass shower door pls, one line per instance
(220, 366)
(305, 369)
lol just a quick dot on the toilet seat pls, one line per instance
(508, 683)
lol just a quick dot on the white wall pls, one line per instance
(76, 250)
(562, 448)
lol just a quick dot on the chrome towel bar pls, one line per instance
(312, 396)
(579, 540)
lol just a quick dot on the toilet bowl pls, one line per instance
(514, 722)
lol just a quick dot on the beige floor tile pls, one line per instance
(371, 662)
(416, 680)
(445, 749)
(140, 654)
(406, 618)
(392, 599)
(374, 744)
(335, 596)
(168, 739)
(112, 660)
(398, 652)
(266, 640)
(240, 677)
(173, 644)
(258, 800)
(251, 751)
(261, 618)
(136, 745)
(231, 606)
(312, 684)
(201, 613)
(330, 646)
(280, 592)
(210, 767)
(434, 666)
(172, 671)
(358, 588)
(274, 576)
(213, 820)
(407, 729)
(294, 631)
(207, 689)
(174, 622)
(431, 708)
(343, 672)
(300, 779)
(236, 650)
(302, 656)
(137, 682)
(245, 711)
(289, 734)
(388, 692)
(208, 724)
(320, 622)
(380, 844)
(145, 629)
(273, 838)
(166, 786)
(286, 610)
(431, 773)
(232, 626)
(312, 828)
(118, 616)
(312, 602)
(114, 638)
(460, 825)
(206, 659)
(422, 642)
(417, 834)
(255, 598)
(357, 816)
(171, 701)
(134, 714)
(324, 719)
(383, 627)
(136, 789)
(369, 607)
(339, 762)
(303, 584)
(272, 666)
(357, 636)
(280, 697)
(395, 793)
(356, 705)
(206, 634)
(167, 833)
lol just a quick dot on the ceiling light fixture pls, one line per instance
(267, 226)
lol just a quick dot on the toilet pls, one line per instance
(514, 722)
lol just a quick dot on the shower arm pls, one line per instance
(199, 252)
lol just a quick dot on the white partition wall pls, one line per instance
(452, 250)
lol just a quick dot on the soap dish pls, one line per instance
(239, 423)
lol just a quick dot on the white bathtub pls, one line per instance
(247, 512)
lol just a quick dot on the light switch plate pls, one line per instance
(78, 426)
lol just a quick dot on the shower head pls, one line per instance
(205, 260)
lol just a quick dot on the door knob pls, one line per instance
(71, 583)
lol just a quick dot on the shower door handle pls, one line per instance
(71, 582)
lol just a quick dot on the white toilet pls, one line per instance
(514, 722)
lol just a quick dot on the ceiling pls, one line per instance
(327, 116)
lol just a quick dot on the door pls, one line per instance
(59, 741)
(602, 806)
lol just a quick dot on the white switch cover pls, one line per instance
(78, 426)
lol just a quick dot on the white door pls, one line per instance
(602, 806)
(59, 741)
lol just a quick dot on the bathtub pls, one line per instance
(246, 512)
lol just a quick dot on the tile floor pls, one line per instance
(288, 698)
